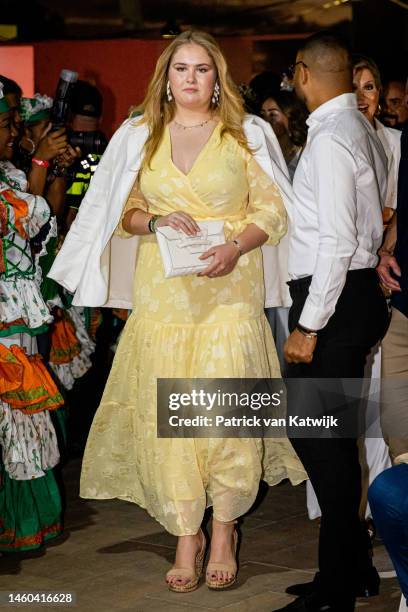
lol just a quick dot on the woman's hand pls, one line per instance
(179, 221)
(69, 156)
(51, 144)
(224, 260)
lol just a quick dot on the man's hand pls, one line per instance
(388, 263)
(298, 348)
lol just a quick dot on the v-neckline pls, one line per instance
(200, 153)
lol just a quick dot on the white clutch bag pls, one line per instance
(180, 253)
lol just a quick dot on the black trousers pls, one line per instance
(359, 322)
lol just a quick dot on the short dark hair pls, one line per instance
(265, 81)
(326, 41)
(86, 100)
(395, 79)
(10, 86)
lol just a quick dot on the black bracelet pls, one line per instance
(152, 223)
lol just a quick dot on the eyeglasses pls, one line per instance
(292, 68)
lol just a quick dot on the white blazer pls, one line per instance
(99, 267)
(391, 142)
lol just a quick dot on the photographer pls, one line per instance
(86, 111)
(44, 155)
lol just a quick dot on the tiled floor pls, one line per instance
(114, 557)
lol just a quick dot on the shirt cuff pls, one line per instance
(314, 318)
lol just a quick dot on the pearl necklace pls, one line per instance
(191, 127)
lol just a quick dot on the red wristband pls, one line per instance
(40, 162)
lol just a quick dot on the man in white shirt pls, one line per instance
(338, 310)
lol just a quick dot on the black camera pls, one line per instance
(78, 97)
(88, 142)
(61, 106)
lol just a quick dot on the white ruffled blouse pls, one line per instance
(22, 215)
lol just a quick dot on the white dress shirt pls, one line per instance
(391, 141)
(339, 190)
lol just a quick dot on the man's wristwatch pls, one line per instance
(308, 333)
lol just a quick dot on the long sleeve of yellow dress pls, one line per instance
(265, 206)
(135, 200)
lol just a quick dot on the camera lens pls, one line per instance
(88, 142)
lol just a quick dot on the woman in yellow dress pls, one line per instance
(197, 166)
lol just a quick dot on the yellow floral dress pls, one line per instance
(191, 327)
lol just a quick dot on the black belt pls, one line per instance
(299, 285)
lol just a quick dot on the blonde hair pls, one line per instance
(158, 111)
(362, 62)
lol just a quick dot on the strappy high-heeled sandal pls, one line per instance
(230, 568)
(183, 572)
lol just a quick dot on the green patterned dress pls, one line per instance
(30, 502)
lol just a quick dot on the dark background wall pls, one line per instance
(380, 29)
(120, 68)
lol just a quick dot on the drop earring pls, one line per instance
(168, 91)
(216, 94)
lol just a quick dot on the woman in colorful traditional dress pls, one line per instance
(30, 503)
(68, 346)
